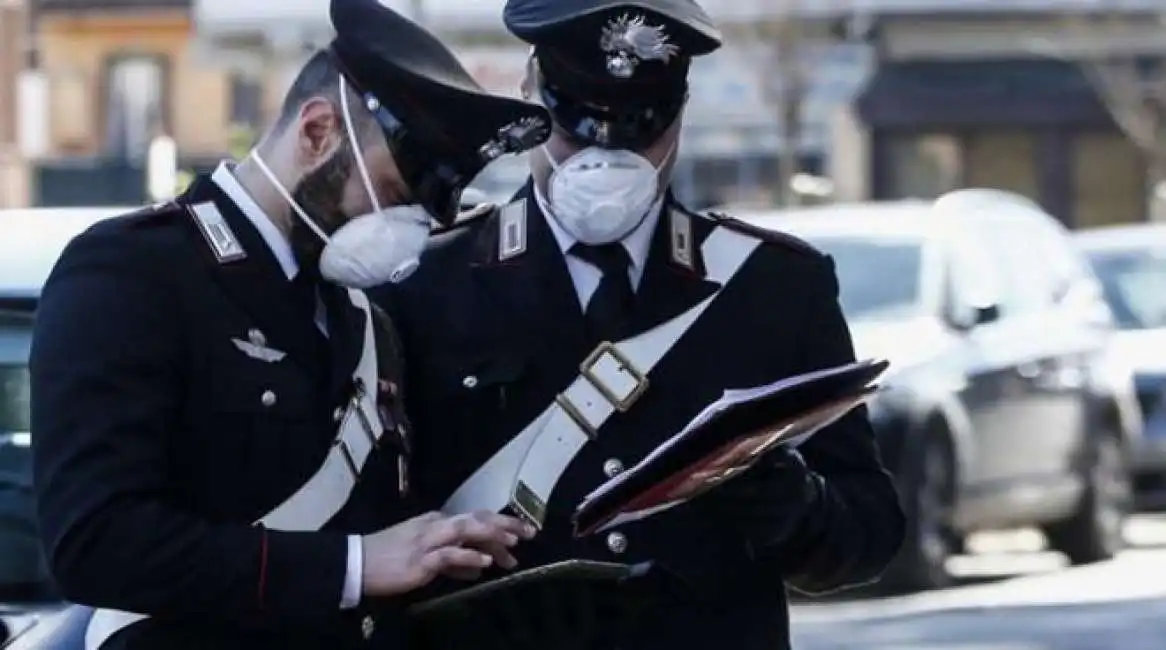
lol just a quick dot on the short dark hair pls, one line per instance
(320, 77)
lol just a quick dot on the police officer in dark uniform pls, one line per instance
(514, 313)
(221, 452)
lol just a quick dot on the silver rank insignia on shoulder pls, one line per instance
(680, 236)
(217, 233)
(512, 230)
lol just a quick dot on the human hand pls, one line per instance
(411, 554)
(771, 500)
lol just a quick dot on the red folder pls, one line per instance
(727, 438)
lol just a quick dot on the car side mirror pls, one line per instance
(970, 317)
(986, 314)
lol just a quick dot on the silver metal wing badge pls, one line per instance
(628, 41)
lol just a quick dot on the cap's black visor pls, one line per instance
(634, 127)
(436, 185)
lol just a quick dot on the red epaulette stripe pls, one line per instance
(262, 570)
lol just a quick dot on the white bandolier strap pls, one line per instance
(329, 488)
(522, 474)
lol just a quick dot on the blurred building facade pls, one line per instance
(13, 50)
(995, 94)
(898, 98)
(116, 74)
(732, 139)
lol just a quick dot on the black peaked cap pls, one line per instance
(420, 81)
(576, 52)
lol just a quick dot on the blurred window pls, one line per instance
(1109, 180)
(1134, 283)
(922, 166)
(15, 339)
(14, 398)
(246, 101)
(1004, 160)
(134, 104)
(877, 278)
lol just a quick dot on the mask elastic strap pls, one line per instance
(668, 156)
(286, 196)
(348, 126)
(550, 159)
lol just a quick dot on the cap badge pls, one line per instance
(516, 137)
(628, 41)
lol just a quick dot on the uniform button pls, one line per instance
(367, 627)
(470, 381)
(268, 398)
(617, 542)
(337, 414)
(612, 467)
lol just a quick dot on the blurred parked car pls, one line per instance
(999, 410)
(30, 242)
(1131, 263)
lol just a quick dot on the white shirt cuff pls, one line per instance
(355, 574)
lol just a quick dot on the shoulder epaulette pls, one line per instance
(464, 220)
(776, 237)
(153, 214)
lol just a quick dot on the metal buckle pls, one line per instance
(366, 424)
(349, 460)
(356, 406)
(576, 415)
(587, 369)
(527, 505)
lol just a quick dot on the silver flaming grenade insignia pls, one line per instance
(628, 41)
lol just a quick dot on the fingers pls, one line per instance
(500, 555)
(479, 529)
(512, 525)
(455, 562)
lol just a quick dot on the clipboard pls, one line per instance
(559, 573)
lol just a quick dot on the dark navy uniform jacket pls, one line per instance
(499, 339)
(158, 441)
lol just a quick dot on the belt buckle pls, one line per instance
(608, 349)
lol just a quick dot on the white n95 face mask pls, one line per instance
(600, 195)
(384, 245)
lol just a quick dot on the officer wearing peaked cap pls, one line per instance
(538, 311)
(221, 451)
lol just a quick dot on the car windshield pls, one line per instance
(878, 278)
(15, 339)
(1134, 281)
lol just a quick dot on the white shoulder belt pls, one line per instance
(329, 488)
(520, 477)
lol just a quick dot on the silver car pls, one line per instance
(30, 242)
(1130, 261)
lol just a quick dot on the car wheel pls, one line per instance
(1094, 532)
(928, 495)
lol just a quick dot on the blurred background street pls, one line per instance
(1012, 596)
(1025, 320)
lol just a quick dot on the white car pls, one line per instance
(30, 243)
(1001, 408)
(1131, 264)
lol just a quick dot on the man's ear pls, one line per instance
(319, 133)
(529, 82)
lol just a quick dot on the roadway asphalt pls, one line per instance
(1012, 596)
